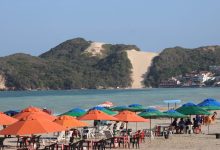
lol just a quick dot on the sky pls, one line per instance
(33, 27)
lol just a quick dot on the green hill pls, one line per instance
(67, 66)
(179, 61)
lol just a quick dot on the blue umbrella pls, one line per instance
(210, 104)
(174, 114)
(11, 112)
(135, 105)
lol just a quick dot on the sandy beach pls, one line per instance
(192, 141)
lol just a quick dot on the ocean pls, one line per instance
(64, 100)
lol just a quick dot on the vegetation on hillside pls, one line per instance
(179, 61)
(67, 67)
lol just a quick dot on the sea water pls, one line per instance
(63, 100)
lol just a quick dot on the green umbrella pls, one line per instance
(136, 108)
(192, 109)
(152, 113)
(107, 111)
(209, 108)
(76, 112)
(174, 114)
(119, 108)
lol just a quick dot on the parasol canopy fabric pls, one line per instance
(152, 113)
(210, 104)
(128, 116)
(107, 111)
(69, 122)
(97, 115)
(6, 120)
(191, 109)
(76, 112)
(32, 124)
(174, 114)
(34, 110)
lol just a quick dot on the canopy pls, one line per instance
(34, 110)
(76, 112)
(128, 116)
(32, 124)
(106, 104)
(119, 108)
(69, 122)
(109, 112)
(174, 114)
(152, 113)
(135, 107)
(11, 112)
(210, 104)
(192, 109)
(97, 115)
(6, 120)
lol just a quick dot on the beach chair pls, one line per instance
(69, 135)
(2, 146)
(51, 147)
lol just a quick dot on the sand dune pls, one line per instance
(141, 62)
(95, 48)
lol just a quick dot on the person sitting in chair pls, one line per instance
(174, 125)
(181, 125)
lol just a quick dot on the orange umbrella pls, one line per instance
(96, 115)
(32, 124)
(34, 110)
(6, 120)
(128, 116)
(69, 122)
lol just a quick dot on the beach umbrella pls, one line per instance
(119, 108)
(128, 116)
(6, 120)
(152, 113)
(69, 122)
(106, 104)
(174, 114)
(97, 115)
(76, 112)
(34, 110)
(192, 109)
(107, 111)
(32, 124)
(210, 104)
(11, 112)
(136, 107)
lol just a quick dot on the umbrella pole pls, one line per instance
(136, 126)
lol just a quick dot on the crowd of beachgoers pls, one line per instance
(190, 126)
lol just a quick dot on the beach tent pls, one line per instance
(192, 109)
(6, 120)
(107, 111)
(76, 112)
(32, 124)
(210, 104)
(152, 113)
(34, 110)
(69, 122)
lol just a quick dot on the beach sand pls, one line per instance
(174, 142)
(141, 61)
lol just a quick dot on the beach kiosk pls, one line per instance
(168, 102)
